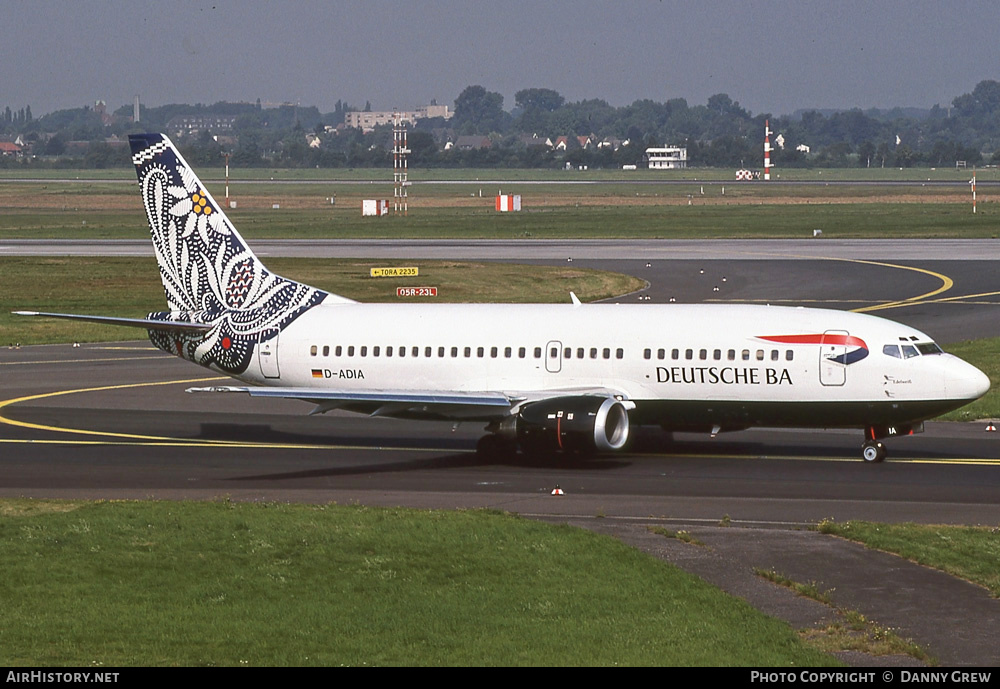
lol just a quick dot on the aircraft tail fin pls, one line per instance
(205, 264)
(209, 273)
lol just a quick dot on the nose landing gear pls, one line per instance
(873, 451)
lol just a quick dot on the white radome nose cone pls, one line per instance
(965, 381)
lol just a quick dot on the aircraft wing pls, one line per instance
(409, 403)
(429, 404)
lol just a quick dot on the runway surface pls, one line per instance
(555, 249)
(169, 443)
(113, 421)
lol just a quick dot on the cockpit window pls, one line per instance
(929, 348)
(891, 350)
(909, 351)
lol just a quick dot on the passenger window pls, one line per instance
(675, 354)
(538, 352)
(312, 350)
(468, 352)
(339, 350)
(731, 355)
(760, 355)
(661, 353)
(521, 352)
(454, 352)
(364, 351)
(568, 353)
(647, 354)
(689, 354)
(593, 352)
(326, 350)
(493, 352)
(606, 353)
(375, 351)
(427, 352)
(717, 354)
(402, 351)
(774, 355)
(619, 353)
(507, 352)
(388, 351)
(441, 352)
(745, 355)
(789, 354)
(480, 352)
(702, 354)
(350, 350)
(891, 350)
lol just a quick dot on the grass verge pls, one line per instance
(222, 583)
(853, 631)
(969, 552)
(548, 219)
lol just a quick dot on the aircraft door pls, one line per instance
(833, 372)
(553, 356)
(267, 353)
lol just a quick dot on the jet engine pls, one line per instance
(583, 423)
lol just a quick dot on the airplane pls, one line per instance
(568, 378)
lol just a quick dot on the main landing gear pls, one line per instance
(873, 451)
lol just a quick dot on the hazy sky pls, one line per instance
(772, 56)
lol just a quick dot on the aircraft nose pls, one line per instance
(965, 381)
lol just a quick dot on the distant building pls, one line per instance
(469, 143)
(426, 111)
(9, 149)
(667, 158)
(532, 140)
(612, 142)
(101, 108)
(367, 121)
(192, 124)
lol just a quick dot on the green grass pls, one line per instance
(851, 631)
(92, 209)
(839, 221)
(968, 552)
(131, 287)
(219, 583)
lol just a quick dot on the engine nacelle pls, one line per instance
(581, 423)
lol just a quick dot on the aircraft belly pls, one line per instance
(685, 414)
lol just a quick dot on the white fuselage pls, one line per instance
(748, 357)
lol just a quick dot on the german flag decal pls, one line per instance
(317, 373)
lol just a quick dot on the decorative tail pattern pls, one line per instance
(209, 274)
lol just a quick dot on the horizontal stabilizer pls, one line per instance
(147, 323)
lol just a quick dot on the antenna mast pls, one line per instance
(399, 153)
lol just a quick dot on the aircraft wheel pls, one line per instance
(873, 451)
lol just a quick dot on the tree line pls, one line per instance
(720, 133)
